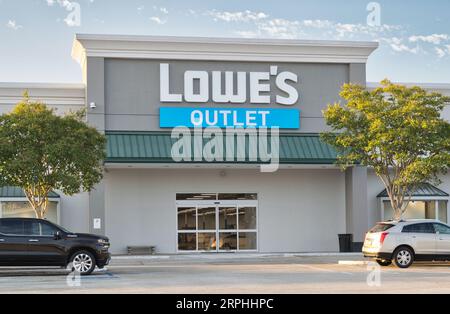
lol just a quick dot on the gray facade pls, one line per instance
(132, 89)
(138, 206)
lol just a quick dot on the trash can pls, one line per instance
(345, 243)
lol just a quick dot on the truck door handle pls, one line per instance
(33, 240)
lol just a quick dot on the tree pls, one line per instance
(396, 130)
(41, 151)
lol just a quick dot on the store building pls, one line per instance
(136, 89)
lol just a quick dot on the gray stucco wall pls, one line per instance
(75, 212)
(299, 210)
(132, 89)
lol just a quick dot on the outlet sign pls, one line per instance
(229, 117)
(225, 88)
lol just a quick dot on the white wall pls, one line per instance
(299, 210)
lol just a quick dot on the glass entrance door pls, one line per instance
(207, 226)
(230, 226)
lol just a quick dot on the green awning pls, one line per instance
(423, 190)
(155, 147)
(16, 192)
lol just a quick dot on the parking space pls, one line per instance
(271, 274)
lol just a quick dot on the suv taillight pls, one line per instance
(383, 237)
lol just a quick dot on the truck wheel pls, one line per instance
(403, 257)
(83, 262)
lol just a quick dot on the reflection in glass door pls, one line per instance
(206, 228)
(217, 228)
(227, 233)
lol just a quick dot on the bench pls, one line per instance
(141, 250)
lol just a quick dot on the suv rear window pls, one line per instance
(419, 228)
(381, 228)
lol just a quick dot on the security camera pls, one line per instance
(92, 105)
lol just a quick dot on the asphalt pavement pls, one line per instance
(259, 274)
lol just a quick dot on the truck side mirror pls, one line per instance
(57, 235)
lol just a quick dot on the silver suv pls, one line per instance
(404, 242)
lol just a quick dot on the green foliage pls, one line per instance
(41, 151)
(396, 130)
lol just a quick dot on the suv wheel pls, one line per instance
(383, 262)
(403, 257)
(83, 262)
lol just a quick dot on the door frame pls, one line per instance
(216, 204)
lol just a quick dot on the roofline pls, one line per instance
(71, 94)
(440, 86)
(226, 40)
(34, 85)
(219, 49)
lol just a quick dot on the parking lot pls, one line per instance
(234, 274)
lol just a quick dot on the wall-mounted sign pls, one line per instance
(229, 117)
(235, 88)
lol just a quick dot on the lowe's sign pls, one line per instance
(230, 88)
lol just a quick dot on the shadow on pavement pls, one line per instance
(48, 272)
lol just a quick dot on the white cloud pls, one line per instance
(63, 3)
(266, 26)
(13, 25)
(252, 24)
(317, 23)
(435, 39)
(158, 20)
(440, 52)
(163, 10)
(397, 44)
(238, 16)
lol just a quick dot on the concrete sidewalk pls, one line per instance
(236, 257)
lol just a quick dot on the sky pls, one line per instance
(36, 36)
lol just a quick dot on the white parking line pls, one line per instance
(353, 263)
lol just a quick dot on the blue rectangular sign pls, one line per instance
(171, 117)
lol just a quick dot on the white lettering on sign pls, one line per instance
(189, 79)
(229, 96)
(166, 96)
(257, 87)
(229, 118)
(230, 87)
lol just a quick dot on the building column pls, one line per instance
(357, 73)
(95, 95)
(97, 210)
(357, 211)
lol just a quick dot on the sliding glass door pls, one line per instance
(222, 226)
